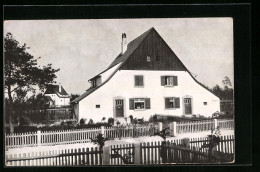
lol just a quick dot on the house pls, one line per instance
(146, 78)
(57, 96)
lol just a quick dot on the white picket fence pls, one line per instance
(194, 127)
(48, 138)
(141, 153)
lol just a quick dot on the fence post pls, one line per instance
(106, 155)
(215, 123)
(103, 130)
(137, 153)
(174, 129)
(39, 137)
(160, 126)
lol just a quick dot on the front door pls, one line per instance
(119, 107)
(187, 106)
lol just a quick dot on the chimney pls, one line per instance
(124, 43)
(59, 88)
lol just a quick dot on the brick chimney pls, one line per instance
(124, 43)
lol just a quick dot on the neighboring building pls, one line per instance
(146, 78)
(57, 96)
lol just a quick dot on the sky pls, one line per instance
(84, 48)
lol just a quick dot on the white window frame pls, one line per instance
(141, 100)
(166, 80)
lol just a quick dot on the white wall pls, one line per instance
(58, 100)
(122, 85)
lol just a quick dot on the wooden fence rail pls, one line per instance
(32, 139)
(174, 151)
(88, 156)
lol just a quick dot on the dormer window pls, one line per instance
(94, 83)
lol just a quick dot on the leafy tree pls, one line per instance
(38, 102)
(21, 71)
(73, 96)
(217, 90)
(223, 93)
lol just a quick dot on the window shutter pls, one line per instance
(136, 81)
(177, 102)
(162, 80)
(141, 81)
(131, 104)
(147, 103)
(175, 80)
(167, 102)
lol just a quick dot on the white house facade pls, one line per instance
(57, 96)
(146, 78)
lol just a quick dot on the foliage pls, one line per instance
(73, 96)
(111, 121)
(131, 118)
(21, 71)
(91, 121)
(223, 93)
(81, 121)
(24, 121)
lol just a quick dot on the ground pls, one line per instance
(112, 142)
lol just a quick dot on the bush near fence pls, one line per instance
(140, 153)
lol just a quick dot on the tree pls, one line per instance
(21, 70)
(217, 90)
(73, 96)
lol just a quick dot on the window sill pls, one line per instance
(139, 109)
(139, 86)
(169, 86)
(171, 108)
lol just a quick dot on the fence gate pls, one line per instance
(122, 154)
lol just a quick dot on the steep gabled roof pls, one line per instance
(131, 47)
(53, 89)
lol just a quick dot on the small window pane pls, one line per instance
(97, 106)
(205, 103)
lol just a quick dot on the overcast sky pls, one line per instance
(84, 48)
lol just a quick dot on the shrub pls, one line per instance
(91, 121)
(135, 121)
(131, 118)
(82, 121)
(111, 121)
(24, 120)
(117, 123)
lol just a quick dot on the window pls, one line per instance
(94, 83)
(139, 80)
(169, 80)
(172, 102)
(205, 103)
(97, 106)
(187, 101)
(148, 58)
(157, 58)
(139, 103)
